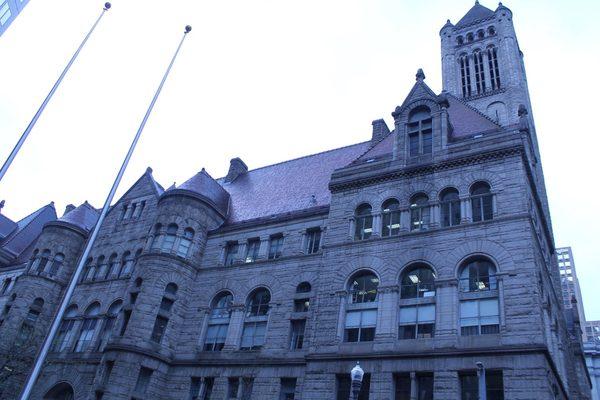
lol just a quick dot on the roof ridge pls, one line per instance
(473, 109)
(300, 158)
(14, 233)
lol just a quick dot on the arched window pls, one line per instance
(479, 71)
(390, 218)
(491, 31)
(115, 266)
(460, 40)
(169, 239)
(255, 323)
(450, 207)
(478, 275)
(494, 70)
(470, 37)
(126, 264)
(218, 322)
(303, 287)
(109, 324)
(364, 222)
(419, 212)
(465, 75)
(363, 287)
(417, 281)
(88, 326)
(155, 244)
(164, 312)
(62, 391)
(101, 268)
(361, 318)
(480, 34)
(417, 317)
(185, 242)
(5, 286)
(65, 331)
(43, 261)
(419, 129)
(138, 282)
(481, 202)
(89, 270)
(479, 316)
(59, 258)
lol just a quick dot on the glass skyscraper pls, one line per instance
(9, 9)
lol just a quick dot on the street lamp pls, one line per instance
(356, 374)
(481, 380)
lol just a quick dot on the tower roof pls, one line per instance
(84, 216)
(475, 14)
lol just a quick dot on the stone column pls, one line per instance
(236, 325)
(434, 221)
(342, 295)
(446, 316)
(352, 227)
(465, 210)
(405, 220)
(303, 242)
(203, 327)
(263, 251)
(487, 72)
(242, 252)
(472, 74)
(387, 312)
(376, 225)
(413, 386)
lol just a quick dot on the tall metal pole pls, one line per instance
(90, 242)
(37, 115)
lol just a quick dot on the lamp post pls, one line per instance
(481, 380)
(356, 375)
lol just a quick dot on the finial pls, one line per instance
(522, 110)
(476, 2)
(420, 75)
(1, 205)
(313, 199)
(149, 170)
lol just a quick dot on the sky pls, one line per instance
(270, 80)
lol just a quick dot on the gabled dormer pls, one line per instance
(421, 124)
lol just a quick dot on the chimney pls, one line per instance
(236, 168)
(68, 209)
(380, 130)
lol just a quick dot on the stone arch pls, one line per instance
(416, 255)
(388, 194)
(172, 277)
(493, 180)
(419, 187)
(370, 263)
(309, 277)
(223, 286)
(451, 183)
(486, 248)
(498, 112)
(68, 377)
(364, 197)
(272, 284)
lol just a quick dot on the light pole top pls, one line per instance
(357, 373)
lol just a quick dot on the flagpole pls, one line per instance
(90, 242)
(40, 110)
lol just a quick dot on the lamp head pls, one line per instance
(357, 373)
(188, 28)
(107, 6)
(479, 365)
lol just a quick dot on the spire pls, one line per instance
(475, 14)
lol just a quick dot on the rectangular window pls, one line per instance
(297, 334)
(425, 386)
(253, 336)
(313, 240)
(402, 386)
(106, 332)
(85, 335)
(252, 250)
(231, 253)
(360, 326)
(364, 227)
(126, 318)
(344, 387)
(166, 304)
(159, 329)
(391, 223)
(469, 385)
(215, 337)
(4, 13)
(288, 389)
(65, 333)
(413, 142)
(233, 385)
(195, 386)
(275, 246)
(108, 367)
(208, 389)
(143, 380)
(479, 317)
(417, 322)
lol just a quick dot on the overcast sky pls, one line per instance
(269, 80)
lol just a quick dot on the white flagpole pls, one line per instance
(37, 115)
(90, 242)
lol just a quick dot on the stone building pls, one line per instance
(419, 252)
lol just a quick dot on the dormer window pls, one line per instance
(419, 128)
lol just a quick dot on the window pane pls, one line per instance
(407, 332)
(488, 307)
(369, 318)
(468, 309)
(427, 313)
(469, 387)
(402, 387)
(352, 319)
(408, 315)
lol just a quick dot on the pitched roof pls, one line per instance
(475, 14)
(7, 225)
(203, 185)
(28, 229)
(288, 186)
(84, 216)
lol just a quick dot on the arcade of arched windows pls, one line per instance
(116, 266)
(45, 262)
(171, 239)
(479, 71)
(421, 213)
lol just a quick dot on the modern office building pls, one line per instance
(9, 9)
(420, 252)
(570, 284)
